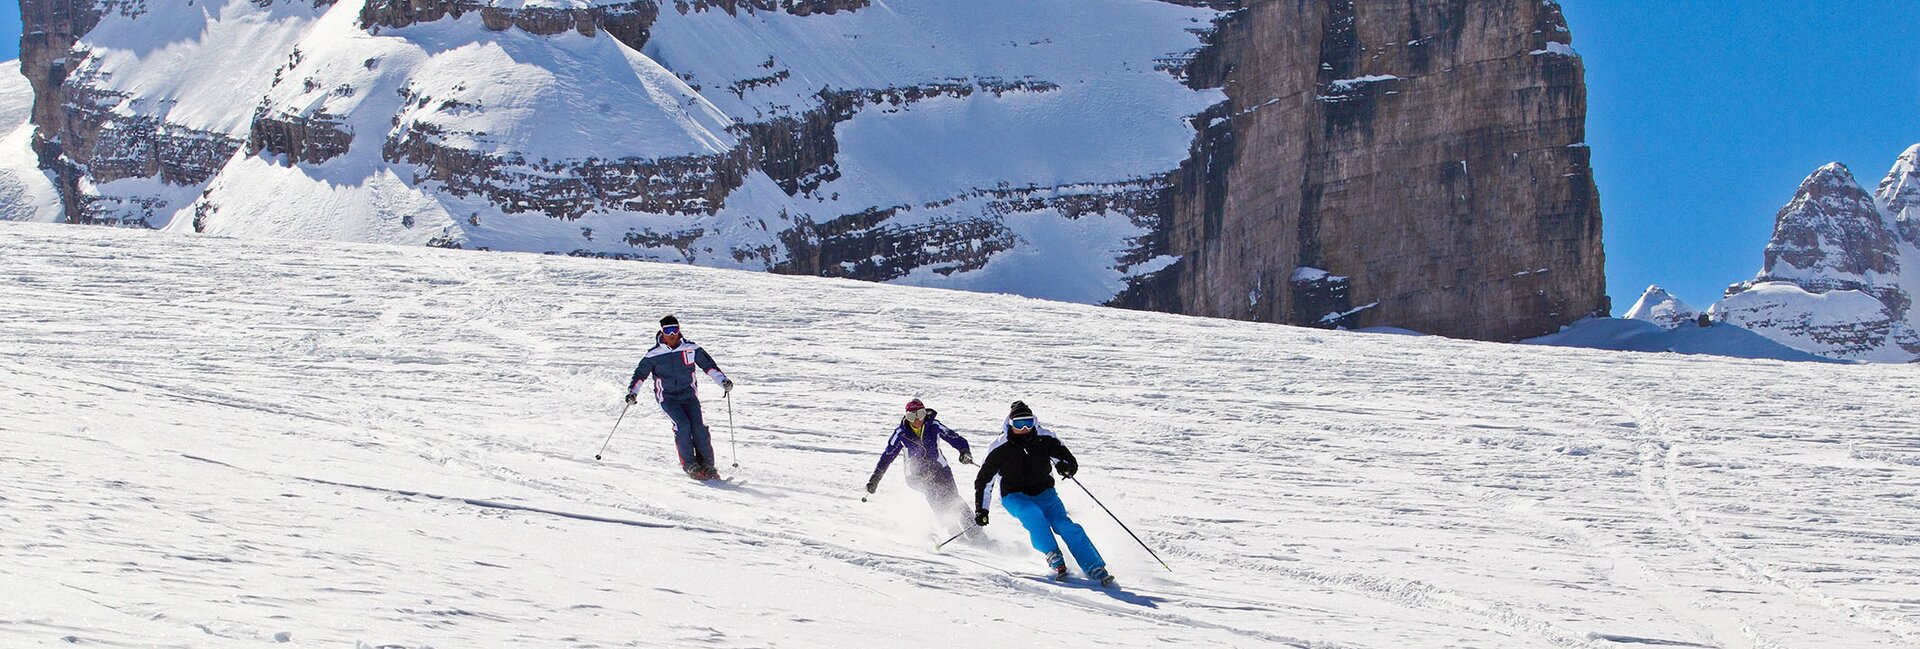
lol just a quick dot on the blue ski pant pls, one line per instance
(1044, 516)
(689, 433)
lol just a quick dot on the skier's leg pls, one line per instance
(682, 433)
(943, 497)
(1076, 537)
(925, 484)
(702, 441)
(1028, 513)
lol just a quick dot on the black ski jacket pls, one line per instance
(1024, 464)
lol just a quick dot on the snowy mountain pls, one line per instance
(1179, 155)
(1838, 273)
(26, 192)
(215, 442)
(1661, 308)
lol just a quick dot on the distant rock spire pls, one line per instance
(1899, 195)
(1658, 306)
(1831, 235)
(1833, 281)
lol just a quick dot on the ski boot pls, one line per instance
(1058, 564)
(1100, 573)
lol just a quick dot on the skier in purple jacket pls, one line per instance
(919, 434)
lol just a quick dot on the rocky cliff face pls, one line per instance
(1838, 274)
(1429, 156)
(1318, 162)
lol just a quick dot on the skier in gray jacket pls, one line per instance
(672, 364)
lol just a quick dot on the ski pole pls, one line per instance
(735, 448)
(616, 426)
(1123, 525)
(950, 539)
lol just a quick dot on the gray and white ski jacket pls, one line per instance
(672, 370)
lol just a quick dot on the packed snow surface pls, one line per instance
(223, 443)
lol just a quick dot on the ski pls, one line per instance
(1078, 582)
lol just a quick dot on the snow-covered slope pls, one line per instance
(220, 443)
(1640, 335)
(833, 137)
(26, 192)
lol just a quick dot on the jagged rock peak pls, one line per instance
(1833, 283)
(1831, 231)
(1658, 306)
(1899, 195)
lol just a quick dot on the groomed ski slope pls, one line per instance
(212, 442)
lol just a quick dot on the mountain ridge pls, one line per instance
(917, 141)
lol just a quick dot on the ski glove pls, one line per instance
(632, 398)
(1066, 470)
(873, 483)
(980, 516)
(726, 387)
(966, 458)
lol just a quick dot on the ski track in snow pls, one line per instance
(215, 442)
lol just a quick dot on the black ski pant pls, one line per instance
(936, 485)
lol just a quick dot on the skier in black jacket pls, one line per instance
(1024, 458)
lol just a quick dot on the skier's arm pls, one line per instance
(959, 443)
(640, 373)
(1067, 466)
(989, 468)
(705, 361)
(894, 444)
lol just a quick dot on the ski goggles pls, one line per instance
(1023, 423)
(916, 415)
(670, 330)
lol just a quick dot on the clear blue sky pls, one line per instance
(1705, 115)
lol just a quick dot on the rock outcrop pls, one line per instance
(1327, 163)
(1838, 274)
(1429, 154)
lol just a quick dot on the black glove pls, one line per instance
(726, 387)
(966, 458)
(1065, 468)
(873, 483)
(632, 398)
(980, 517)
